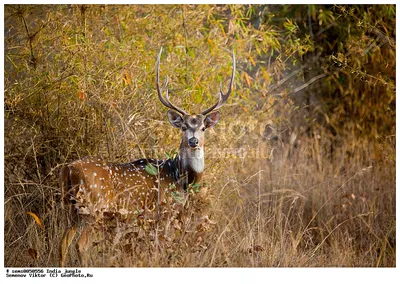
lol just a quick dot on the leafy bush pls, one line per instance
(301, 168)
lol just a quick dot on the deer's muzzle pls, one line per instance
(194, 142)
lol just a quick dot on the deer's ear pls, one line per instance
(212, 119)
(175, 119)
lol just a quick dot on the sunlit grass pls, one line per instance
(300, 170)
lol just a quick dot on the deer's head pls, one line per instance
(193, 126)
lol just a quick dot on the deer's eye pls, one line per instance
(184, 128)
(203, 128)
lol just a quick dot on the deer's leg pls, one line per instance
(65, 243)
(84, 244)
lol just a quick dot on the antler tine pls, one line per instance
(215, 105)
(222, 98)
(165, 101)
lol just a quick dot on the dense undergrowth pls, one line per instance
(300, 171)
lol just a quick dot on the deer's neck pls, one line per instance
(191, 165)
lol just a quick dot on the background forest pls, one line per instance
(300, 170)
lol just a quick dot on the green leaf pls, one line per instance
(151, 170)
(195, 187)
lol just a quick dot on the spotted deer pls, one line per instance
(93, 188)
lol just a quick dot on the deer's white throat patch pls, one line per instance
(194, 159)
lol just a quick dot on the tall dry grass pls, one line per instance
(282, 190)
(302, 207)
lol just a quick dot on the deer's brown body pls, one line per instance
(94, 188)
(97, 183)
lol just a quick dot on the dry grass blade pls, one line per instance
(33, 253)
(37, 219)
(300, 171)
